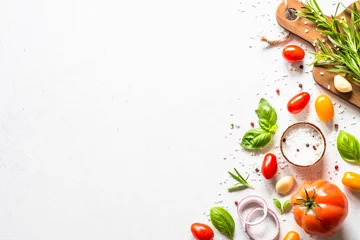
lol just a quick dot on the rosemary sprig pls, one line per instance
(242, 182)
(343, 34)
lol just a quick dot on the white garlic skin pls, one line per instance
(284, 185)
(342, 84)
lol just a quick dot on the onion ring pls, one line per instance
(247, 226)
(248, 200)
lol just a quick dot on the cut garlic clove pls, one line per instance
(342, 84)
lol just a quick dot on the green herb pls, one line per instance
(267, 116)
(222, 221)
(283, 207)
(242, 182)
(342, 33)
(259, 137)
(255, 139)
(348, 147)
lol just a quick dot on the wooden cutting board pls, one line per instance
(306, 30)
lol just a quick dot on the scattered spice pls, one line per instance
(301, 66)
(257, 170)
(307, 145)
(300, 85)
(236, 203)
(314, 147)
(278, 91)
(336, 167)
(297, 150)
(232, 125)
(336, 126)
(284, 140)
(252, 124)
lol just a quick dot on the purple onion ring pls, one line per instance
(247, 226)
(249, 200)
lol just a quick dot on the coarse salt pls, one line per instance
(298, 144)
(306, 31)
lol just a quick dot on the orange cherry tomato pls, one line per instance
(202, 231)
(319, 207)
(297, 103)
(351, 181)
(324, 108)
(293, 53)
(292, 235)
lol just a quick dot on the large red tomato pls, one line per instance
(319, 207)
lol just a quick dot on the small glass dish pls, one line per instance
(303, 144)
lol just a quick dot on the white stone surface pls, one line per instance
(115, 116)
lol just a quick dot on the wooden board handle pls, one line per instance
(301, 27)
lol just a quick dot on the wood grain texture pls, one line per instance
(306, 30)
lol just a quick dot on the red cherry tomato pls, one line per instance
(297, 103)
(269, 166)
(293, 53)
(202, 231)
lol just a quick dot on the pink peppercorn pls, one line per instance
(252, 124)
(336, 167)
(278, 91)
(236, 203)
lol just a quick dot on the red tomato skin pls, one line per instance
(269, 166)
(293, 53)
(297, 103)
(202, 231)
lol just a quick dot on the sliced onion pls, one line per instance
(247, 226)
(249, 200)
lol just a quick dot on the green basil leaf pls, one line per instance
(277, 203)
(222, 221)
(348, 147)
(267, 115)
(286, 205)
(255, 138)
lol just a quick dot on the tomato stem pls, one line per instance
(309, 203)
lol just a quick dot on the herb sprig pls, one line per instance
(242, 182)
(282, 207)
(258, 137)
(343, 56)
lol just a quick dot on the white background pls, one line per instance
(115, 116)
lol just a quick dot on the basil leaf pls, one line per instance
(267, 115)
(222, 221)
(286, 205)
(255, 138)
(277, 203)
(348, 147)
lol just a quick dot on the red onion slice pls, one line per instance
(249, 200)
(247, 226)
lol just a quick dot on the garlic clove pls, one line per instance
(342, 84)
(284, 185)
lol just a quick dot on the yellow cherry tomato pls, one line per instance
(351, 180)
(292, 235)
(324, 108)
